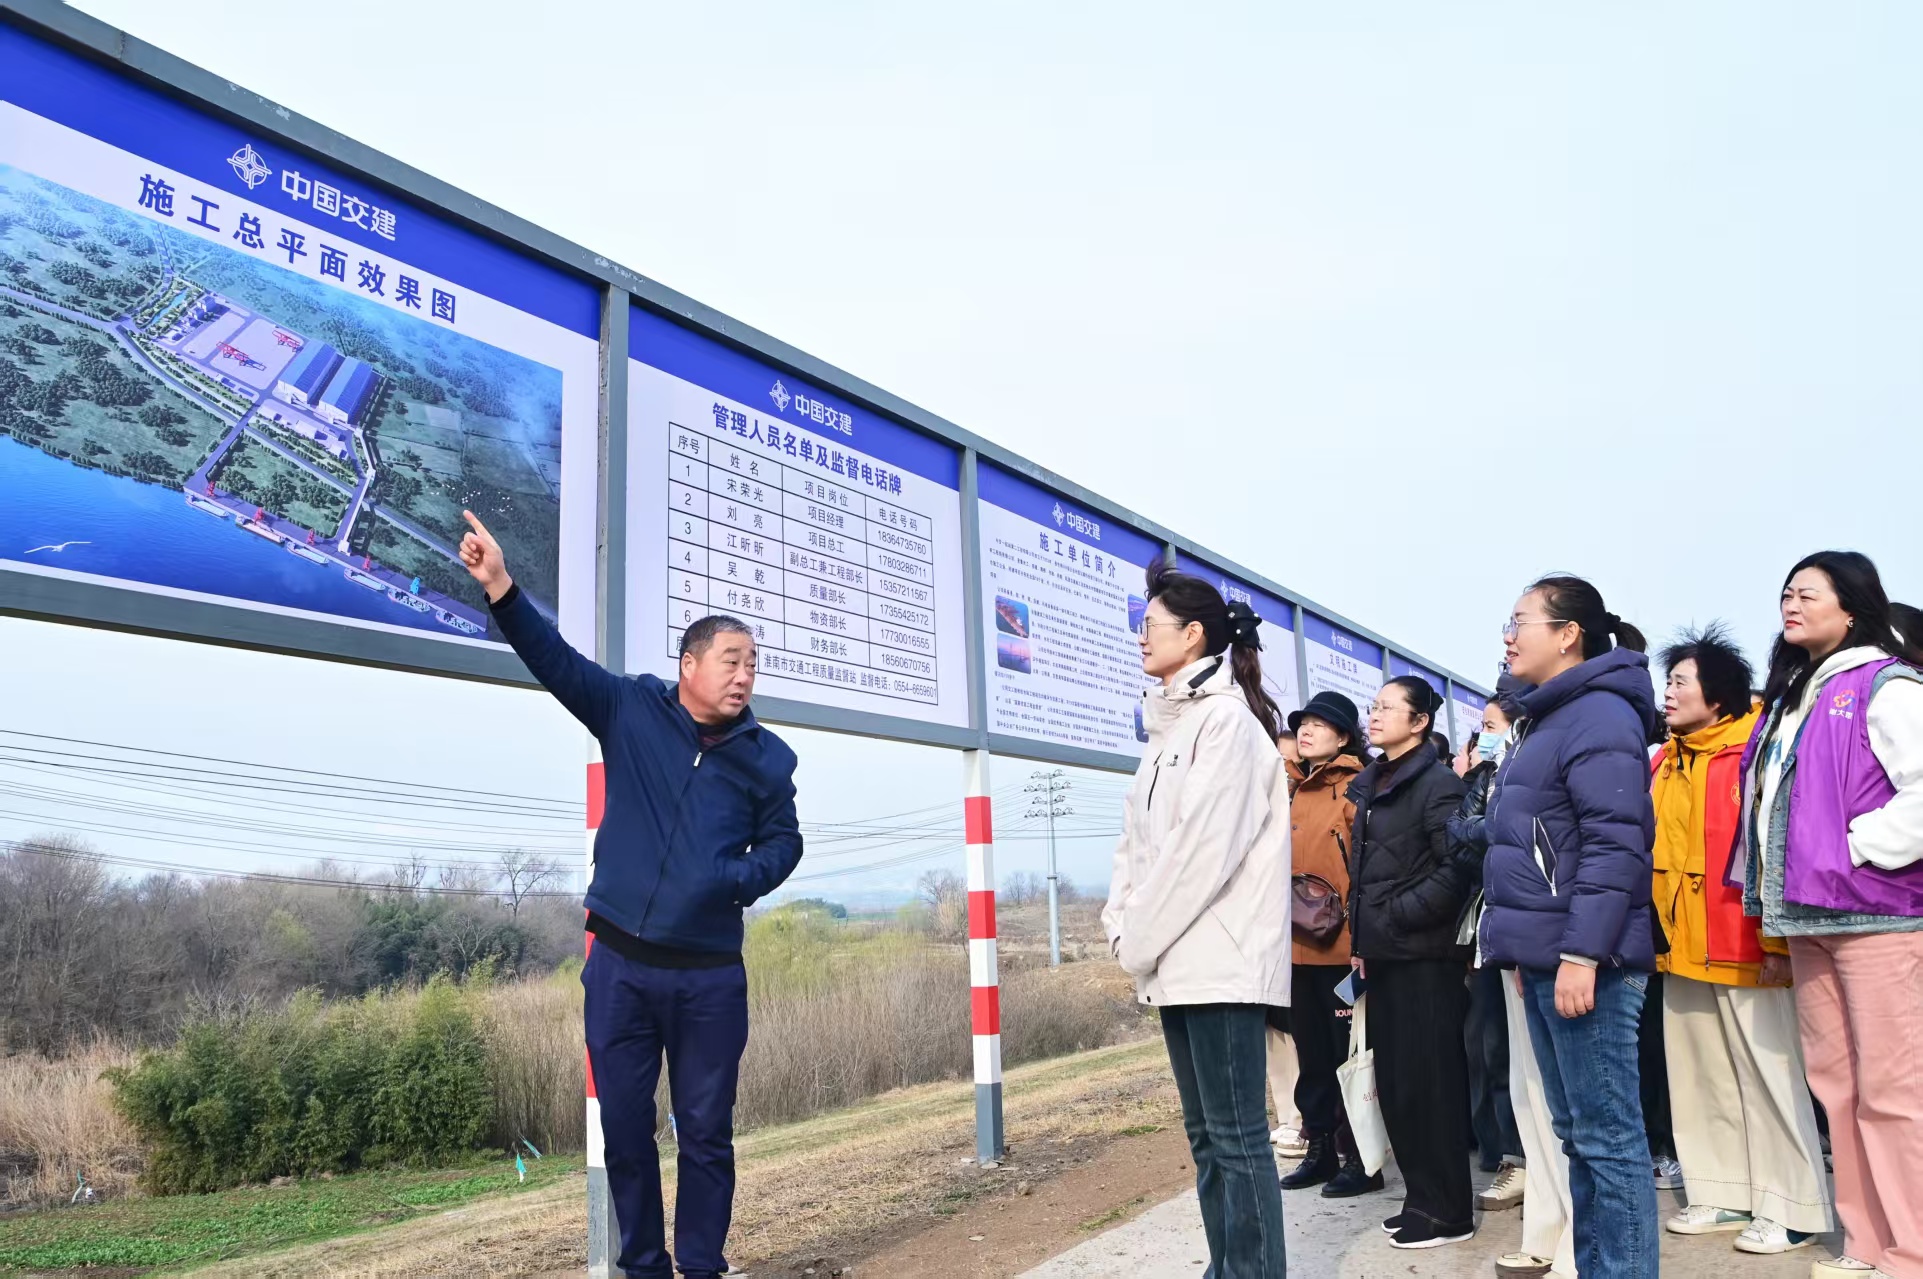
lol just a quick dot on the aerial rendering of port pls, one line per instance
(346, 435)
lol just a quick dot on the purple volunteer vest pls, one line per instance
(1837, 780)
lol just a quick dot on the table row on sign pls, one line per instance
(766, 485)
(803, 517)
(798, 641)
(863, 618)
(765, 564)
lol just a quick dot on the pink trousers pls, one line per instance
(1859, 1005)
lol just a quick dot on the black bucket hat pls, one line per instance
(1334, 710)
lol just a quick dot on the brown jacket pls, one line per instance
(1322, 820)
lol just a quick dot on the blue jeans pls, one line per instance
(1219, 1053)
(698, 1018)
(1592, 1082)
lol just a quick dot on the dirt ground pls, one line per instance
(889, 1187)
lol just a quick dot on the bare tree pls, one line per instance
(1023, 887)
(470, 879)
(523, 873)
(409, 875)
(946, 895)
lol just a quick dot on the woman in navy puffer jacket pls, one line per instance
(1567, 882)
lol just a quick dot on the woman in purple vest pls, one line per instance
(1832, 838)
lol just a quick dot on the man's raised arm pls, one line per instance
(586, 689)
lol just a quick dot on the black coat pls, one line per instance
(1407, 885)
(1466, 823)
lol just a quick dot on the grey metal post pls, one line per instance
(610, 649)
(1050, 791)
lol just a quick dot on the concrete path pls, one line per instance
(1343, 1239)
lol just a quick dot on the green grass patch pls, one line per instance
(1110, 1217)
(177, 1230)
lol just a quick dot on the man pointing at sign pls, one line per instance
(700, 823)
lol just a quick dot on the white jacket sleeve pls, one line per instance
(1224, 802)
(1119, 881)
(1892, 836)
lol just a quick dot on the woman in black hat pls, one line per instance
(1322, 816)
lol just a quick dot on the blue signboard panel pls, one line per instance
(1277, 630)
(833, 531)
(1342, 662)
(1400, 666)
(236, 375)
(1063, 592)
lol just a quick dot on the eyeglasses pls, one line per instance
(1513, 627)
(1148, 626)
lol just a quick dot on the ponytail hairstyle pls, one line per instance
(1224, 626)
(1859, 592)
(1423, 700)
(1571, 599)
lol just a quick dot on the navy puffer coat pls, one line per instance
(1569, 870)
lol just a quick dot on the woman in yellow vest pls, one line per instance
(1745, 1129)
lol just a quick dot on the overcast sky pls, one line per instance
(1399, 305)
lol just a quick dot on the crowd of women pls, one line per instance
(1616, 945)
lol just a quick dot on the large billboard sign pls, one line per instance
(1277, 631)
(230, 373)
(251, 375)
(1468, 708)
(1341, 661)
(1062, 597)
(1400, 666)
(834, 531)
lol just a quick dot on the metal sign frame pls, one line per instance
(130, 609)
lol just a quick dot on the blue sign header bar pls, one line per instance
(1091, 528)
(76, 92)
(1332, 636)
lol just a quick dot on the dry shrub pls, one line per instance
(1050, 1012)
(57, 1121)
(533, 1034)
(833, 1020)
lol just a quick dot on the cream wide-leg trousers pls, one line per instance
(1745, 1129)
(1548, 1215)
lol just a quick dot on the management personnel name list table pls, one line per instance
(838, 584)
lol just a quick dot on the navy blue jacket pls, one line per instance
(1569, 869)
(689, 837)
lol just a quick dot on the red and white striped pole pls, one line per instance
(985, 995)
(601, 1226)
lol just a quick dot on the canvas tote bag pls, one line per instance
(1357, 1076)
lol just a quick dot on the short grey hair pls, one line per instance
(700, 636)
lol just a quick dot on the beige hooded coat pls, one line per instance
(1198, 905)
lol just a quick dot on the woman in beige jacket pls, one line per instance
(1198, 905)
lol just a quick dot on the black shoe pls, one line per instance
(1422, 1233)
(1392, 1224)
(1318, 1166)
(1351, 1181)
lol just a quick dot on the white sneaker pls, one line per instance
(1765, 1236)
(1844, 1268)
(1289, 1141)
(1505, 1191)
(1703, 1219)
(1669, 1174)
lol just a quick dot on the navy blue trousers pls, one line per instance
(698, 1018)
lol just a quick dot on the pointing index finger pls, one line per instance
(474, 522)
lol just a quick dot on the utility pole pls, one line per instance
(1048, 798)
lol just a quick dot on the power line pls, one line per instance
(328, 778)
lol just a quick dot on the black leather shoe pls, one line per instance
(1318, 1166)
(1351, 1181)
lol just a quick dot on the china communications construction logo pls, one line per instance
(780, 396)
(1060, 515)
(250, 168)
